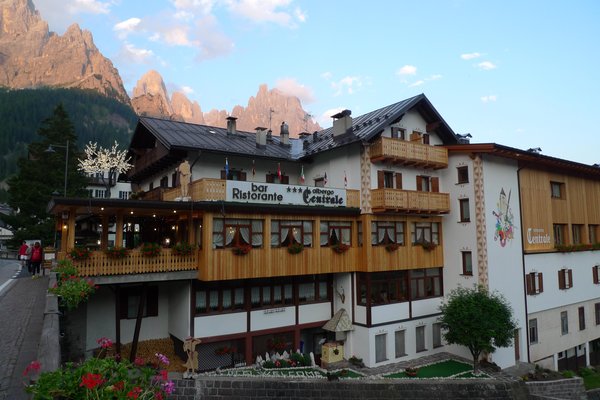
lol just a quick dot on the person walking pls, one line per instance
(23, 254)
(37, 256)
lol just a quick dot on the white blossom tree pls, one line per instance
(107, 164)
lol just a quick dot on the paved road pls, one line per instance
(22, 302)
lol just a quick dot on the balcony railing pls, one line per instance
(409, 201)
(409, 153)
(135, 263)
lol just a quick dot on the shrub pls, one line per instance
(150, 249)
(116, 252)
(79, 254)
(183, 249)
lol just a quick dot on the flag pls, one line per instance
(279, 171)
(226, 168)
(302, 175)
(345, 180)
(325, 179)
(253, 168)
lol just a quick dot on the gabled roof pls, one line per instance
(175, 135)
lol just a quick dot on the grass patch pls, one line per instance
(441, 369)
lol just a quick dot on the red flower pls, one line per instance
(158, 396)
(139, 361)
(134, 393)
(90, 380)
(33, 366)
(163, 374)
(105, 343)
(119, 386)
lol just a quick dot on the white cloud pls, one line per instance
(325, 118)
(88, 7)
(417, 83)
(131, 54)
(176, 36)
(60, 13)
(187, 90)
(486, 65)
(346, 85)
(209, 40)
(434, 77)
(126, 27)
(201, 6)
(261, 11)
(326, 75)
(407, 70)
(291, 87)
(488, 99)
(470, 56)
(183, 15)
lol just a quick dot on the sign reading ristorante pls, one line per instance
(270, 193)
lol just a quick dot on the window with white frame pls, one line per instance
(420, 336)
(400, 343)
(335, 232)
(380, 347)
(564, 322)
(565, 278)
(285, 233)
(534, 283)
(533, 331)
(467, 263)
(425, 232)
(386, 232)
(229, 232)
(436, 330)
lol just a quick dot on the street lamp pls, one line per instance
(50, 149)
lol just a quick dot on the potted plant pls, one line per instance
(183, 249)
(340, 247)
(295, 248)
(241, 249)
(391, 247)
(411, 371)
(150, 249)
(79, 254)
(116, 252)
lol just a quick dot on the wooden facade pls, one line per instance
(411, 153)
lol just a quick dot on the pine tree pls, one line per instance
(41, 175)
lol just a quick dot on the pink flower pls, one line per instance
(168, 387)
(33, 366)
(105, 343)
(139, 361)
(162, 358)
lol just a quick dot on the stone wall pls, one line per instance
(572, 389)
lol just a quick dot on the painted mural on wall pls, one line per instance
(504, 231)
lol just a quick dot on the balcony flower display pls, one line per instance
(183, 249)
(241, 249)
(295, 248)
(221, 351)
(116, 252)
(79, 254)
(428, 245)
(71, 288)
(391, 247)
(150, 249)
(340, 248)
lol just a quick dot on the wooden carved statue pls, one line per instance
(189, 346)
(185, 172)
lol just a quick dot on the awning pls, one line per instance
(340, 322)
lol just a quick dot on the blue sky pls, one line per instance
(518, 73)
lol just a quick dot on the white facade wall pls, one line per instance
(179, 305)
(220, 324)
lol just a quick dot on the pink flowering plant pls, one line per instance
(103, 378)
(71, 288)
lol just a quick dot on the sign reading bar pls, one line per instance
(270, 193)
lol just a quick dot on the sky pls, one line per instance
(521, 73)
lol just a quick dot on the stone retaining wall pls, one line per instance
(49, 347)
(568, 389)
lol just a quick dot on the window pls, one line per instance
(465, 214)
(360, 233)
(99, 193)
(436, 330)
(534, 283)
(593, 234)
(557, 190)
(129, 300)
(595, 274)
(565, 278)
(467, 263)
(380, 350)
(581, 312)
(285, 233)
(559, 233)
(399, 344)
(564, 322)
(334, 232)
(577, 232)
(425, 138)
(533, 331)
(320, 182)
(234, 175)
(219, 298)
(398, 133)
(597, 312)
(384, 287)
(314, 288)
(423, 183)
(420, 333)
(425, 232)
(274, 178)
(229, 232)
(389, 180)
(463, 174)
(425, 283)
(386, 232)
(164, 182)
(266, 293)
(123, 194)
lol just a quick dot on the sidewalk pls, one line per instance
(22, 307)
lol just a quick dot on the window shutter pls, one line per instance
(570, 271)
(398, 180)
(529, 283)
(285, 179)
(380, 179)
(419, 183)
(595, 273)
(435, 184)
(242, 176)
(425, 138)
(540, 283)
(223, 176)
(561, 279)
(270, 178)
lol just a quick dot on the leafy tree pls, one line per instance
(40, 176)
(477, 319)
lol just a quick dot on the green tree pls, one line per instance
(41, 175)
(477, 319)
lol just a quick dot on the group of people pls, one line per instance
(32, 257)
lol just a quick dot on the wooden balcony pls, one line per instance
(411, 201)
(402, 152)
(134, 263)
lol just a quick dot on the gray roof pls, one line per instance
(175, 135)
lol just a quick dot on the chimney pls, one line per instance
(315, 136)
(342, 122)
(261, 137)
(284, 134)
(231, 125)
(303, 135)
(270, 136)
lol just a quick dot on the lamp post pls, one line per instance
(50, 149)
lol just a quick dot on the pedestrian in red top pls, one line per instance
(37, 256)
(23, 253)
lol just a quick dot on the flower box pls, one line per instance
(340, 248)
(241, 249)
(116, 252)
(428, 245)
(79, 254)
(183, 249)
(150, 249)
(295, 248)
(391, 247)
